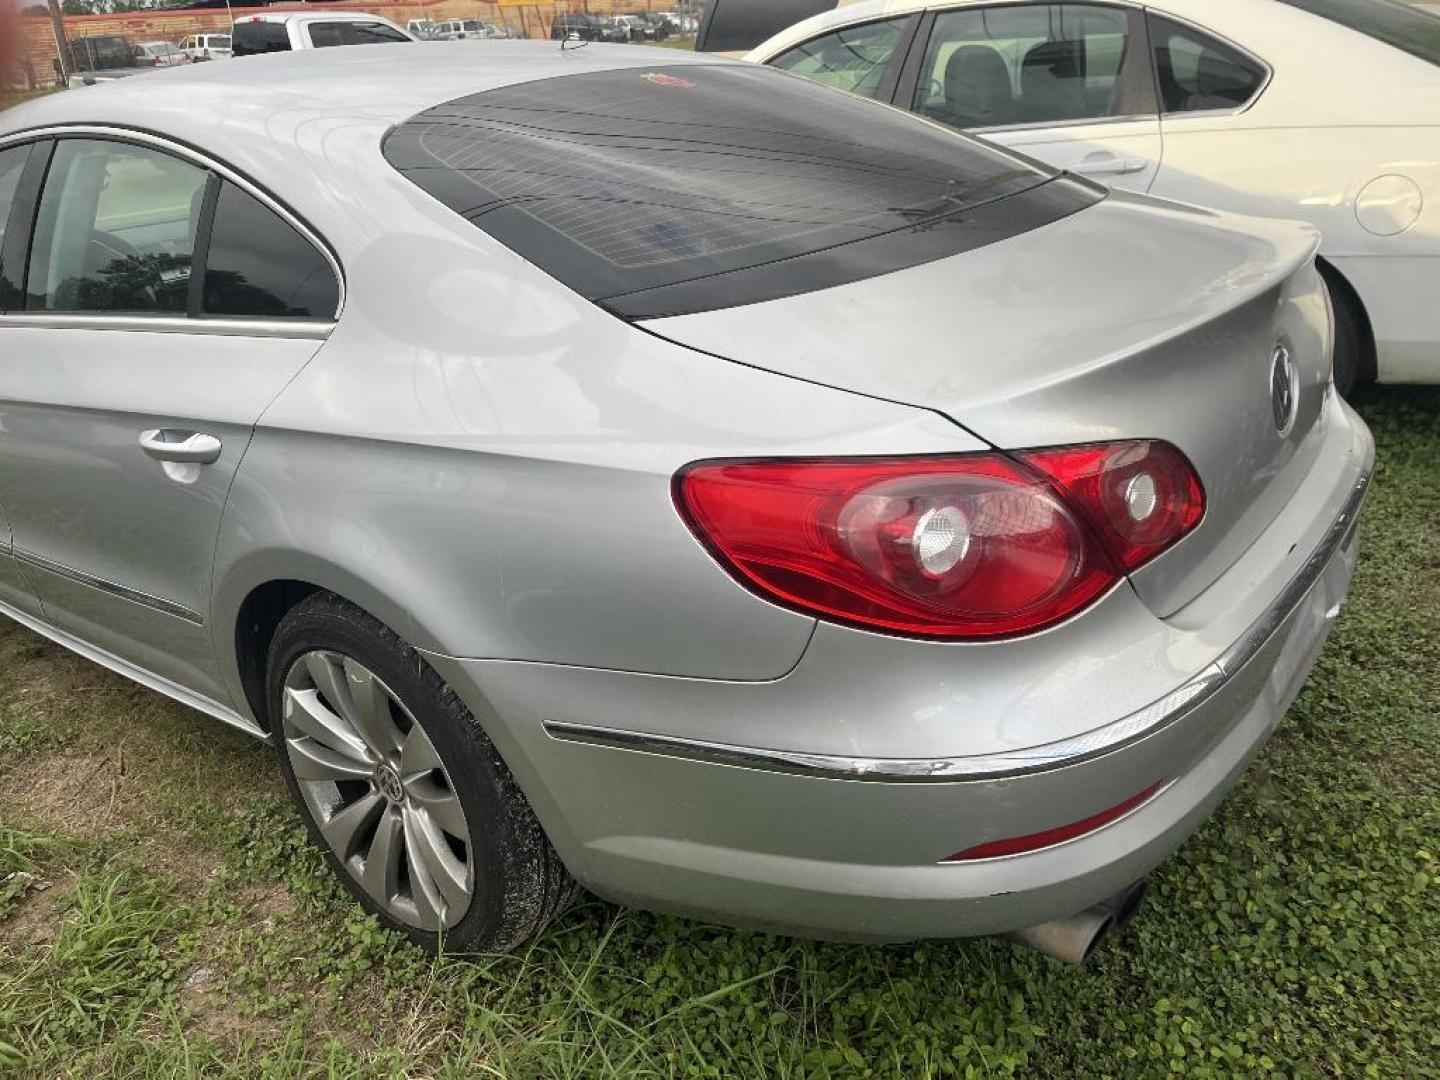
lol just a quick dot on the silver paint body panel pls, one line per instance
(482, 460)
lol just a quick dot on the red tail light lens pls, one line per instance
(975, 546)
(1142, 496)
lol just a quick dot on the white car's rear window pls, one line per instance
(687, 187)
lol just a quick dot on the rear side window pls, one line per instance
(1404, 28)
(689, 187)
(116, 230)
(12, 164)
(260, 267)
(260, 37)
(325, 35)
(1197, 73)
(12, 167)
(852, 59)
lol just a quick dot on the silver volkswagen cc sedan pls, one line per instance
(665, 475)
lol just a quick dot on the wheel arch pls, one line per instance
(1344, 292)
(256, 595)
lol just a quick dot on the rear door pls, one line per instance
(132, 380)
(18, 167)
(1069, 84)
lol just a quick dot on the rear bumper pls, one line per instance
(852, 845)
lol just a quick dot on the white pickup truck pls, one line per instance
(284, 31)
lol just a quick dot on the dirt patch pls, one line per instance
(74, 792)
(34, 922)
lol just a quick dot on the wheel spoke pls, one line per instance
(305, 712)
(381, 876)
(329, 679)
(369, 704)
(418, 756)
(313, 760)
(442, 806)
(429, 904)
(432, 859)
(345, 828)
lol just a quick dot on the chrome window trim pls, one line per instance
(124, 592)
(304, 329)
(204, 161)
(1043, 125)
(1106, 739)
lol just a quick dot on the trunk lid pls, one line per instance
(1135, 318)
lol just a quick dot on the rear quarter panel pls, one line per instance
(483, 460)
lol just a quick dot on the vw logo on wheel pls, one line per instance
(1284, 388)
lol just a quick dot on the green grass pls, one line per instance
(162, 915)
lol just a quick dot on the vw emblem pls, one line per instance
(1284, 389)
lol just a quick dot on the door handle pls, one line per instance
(189, 447)
(1110, 165)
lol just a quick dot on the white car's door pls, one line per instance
(1068, 84)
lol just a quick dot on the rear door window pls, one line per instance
(1199, 73)
(258, 266)
(683, 188)
(854, 58)
(116, 230)
(250, 38)
(325, 35)
(1023, 64)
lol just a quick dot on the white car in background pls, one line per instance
(160, 54)
(1323, 110)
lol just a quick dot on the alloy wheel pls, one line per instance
(378, 790)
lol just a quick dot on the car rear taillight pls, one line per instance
(1143, 496)
(973, 546)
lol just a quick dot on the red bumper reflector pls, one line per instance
(1016, 845)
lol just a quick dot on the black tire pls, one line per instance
(1354, 354)
(520, 884)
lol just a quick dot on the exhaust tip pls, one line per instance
(1074, 938)
(1071, 940)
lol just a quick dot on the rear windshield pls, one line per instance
(325, 35)
(1405, 28)
(260, 37)
(682, 188)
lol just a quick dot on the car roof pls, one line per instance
(311, 16)
(303, 123)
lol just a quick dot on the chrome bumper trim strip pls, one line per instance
(1102, 740)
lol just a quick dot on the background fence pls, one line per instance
(29, 42)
